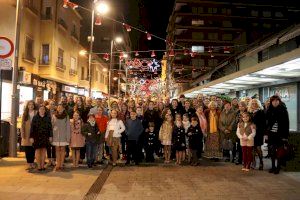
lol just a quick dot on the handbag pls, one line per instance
(110, 138)
(286, 152)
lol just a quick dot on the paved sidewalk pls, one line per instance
(213, 181)
(17, 184)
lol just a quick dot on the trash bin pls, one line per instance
(4, 138)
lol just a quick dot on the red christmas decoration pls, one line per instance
(66, 2)
(98, 21)
(171, 53)
(121, 56)
(226, 50)
(127, 27)
(137, 53)
(209, 50)
(148, 36)
(192, 54)
(186, 52)
(153, 54)
(106, 57)
(72, 5)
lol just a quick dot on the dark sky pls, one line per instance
(150, 15)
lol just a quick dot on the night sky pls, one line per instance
(150, 15)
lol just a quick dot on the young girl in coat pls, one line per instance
(165, 136)
(77, 139)
(246, 132)
(179, 139)
(186, 125)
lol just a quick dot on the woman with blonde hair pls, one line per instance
(257, 113)
(212, 144)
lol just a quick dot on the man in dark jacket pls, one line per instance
(134, 130)
(278, 130)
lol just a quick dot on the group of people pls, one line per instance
(182, 130)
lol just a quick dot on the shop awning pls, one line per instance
(278, 70)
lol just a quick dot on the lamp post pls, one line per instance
(101, 8)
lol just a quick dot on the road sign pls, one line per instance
(5, 64)
(6, 47)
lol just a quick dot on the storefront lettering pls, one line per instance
(282, 92)
(39, 83)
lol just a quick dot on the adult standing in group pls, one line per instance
(123, 115)
(88, 107)
(28, 114)
(113, 134)
(61, 135)
(175, 108)
(227, 130)
(151, 115)
(187, 109)
(259, 120)
(51, 108)
(212, 144)
(40, 135)
(38, 101)
(278, 130)
(79, 107)
(101, 121)
(70, 108)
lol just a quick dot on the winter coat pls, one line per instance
(190, 112)
(25, 131)
(246, 130)
(77, 139)
(61, 131)
(165, 132)
(115, 125)
(134, 129)
(195, 137)
(178, 138)
(40, 131)
(259, 119)
(93, 137)
(279, 115)
(151, 116)
(227, 122)
(151, 139)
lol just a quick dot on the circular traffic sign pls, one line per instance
(6, 47)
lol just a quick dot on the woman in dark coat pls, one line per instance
(278, 130)
(258, 118)
(40, 135)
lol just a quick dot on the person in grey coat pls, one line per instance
(61, 135)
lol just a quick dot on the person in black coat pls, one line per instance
(195, 137)
(187, 109)
(258, 118)
(151, 142)
(178, 138)
(41, 135)
(277, 129)
(151, 115)
(175, 108)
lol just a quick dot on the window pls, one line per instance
(267, 14)
(227, 36)
(29, 44)
(197, 35)
(198, 62)
(227, 24)
(213, 36)
(212, 10)
(48, 13)
(73, 64)
(212, 62)
(82, 77)
(197, 10)
(265, 25)
(254, 13)
(45, 54)
(278, 14)
(199, 49)
(60, 59)
(197, 22)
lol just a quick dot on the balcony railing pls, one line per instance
(74, 35)
(44, 62)
(30, 5)
(72, 72)
(46, 17)
(62, 24)
(60, 66)
(29, 58)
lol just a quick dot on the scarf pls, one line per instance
(212, 122)
(203, 122)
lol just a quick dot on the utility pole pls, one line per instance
(90, 53)
(15, 93)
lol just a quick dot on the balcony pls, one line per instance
(46, 17)
(45, 61)
(29, 58)
(62, 24)
(60, 66)
(72, 72)
(29, 4)
(74, 36)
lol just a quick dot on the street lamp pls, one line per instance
(101, 8)
(117, 40)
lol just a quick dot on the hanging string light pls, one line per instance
(192, 54)
(127, 27)
(226, 49)
(153, 54)
(66, 2)
(186, 52)
(137, 54)
(106, 57)
(171, 53)
(148, 36)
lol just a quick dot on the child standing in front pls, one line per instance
(179, 139)
(90, 131)
(150, 142)
(195, 137)
(186, 125)
(165, 136)
(246, 132)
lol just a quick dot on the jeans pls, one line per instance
(91, 152)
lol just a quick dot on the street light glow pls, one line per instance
(119, 39)
(102, 8)
(104, 70)
(82, 52)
